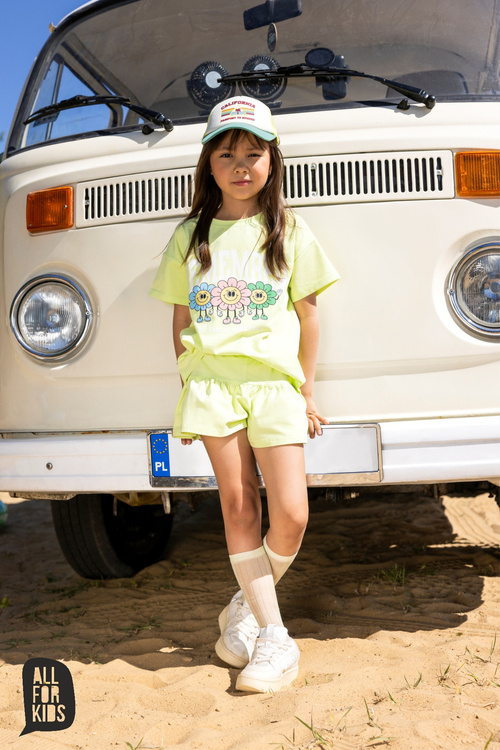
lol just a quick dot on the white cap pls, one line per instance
(243, 113)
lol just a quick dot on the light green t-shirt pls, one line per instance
(237, 307)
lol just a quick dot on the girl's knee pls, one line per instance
(292, 524)
(241, 506)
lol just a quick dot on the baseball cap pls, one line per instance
(244, 113)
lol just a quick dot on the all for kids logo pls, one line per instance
(49, 696)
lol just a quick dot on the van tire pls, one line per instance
(98, 544)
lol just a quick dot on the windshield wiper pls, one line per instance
(325, 74)
(50, 113)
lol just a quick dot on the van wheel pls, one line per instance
(98, 544)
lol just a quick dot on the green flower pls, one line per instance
(262, 295)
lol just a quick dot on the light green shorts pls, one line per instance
(225, 394)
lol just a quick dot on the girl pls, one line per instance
(243, 273)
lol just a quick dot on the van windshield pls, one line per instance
(168, 56)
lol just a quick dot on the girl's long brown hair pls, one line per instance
(208, 199)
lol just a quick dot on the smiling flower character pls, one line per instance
(231, 295)
(200, 299)
(261, 296)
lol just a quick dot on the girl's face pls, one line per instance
(240, 171)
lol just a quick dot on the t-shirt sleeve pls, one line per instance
(171, 283)
(312, 270)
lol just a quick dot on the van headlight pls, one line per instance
(51, 317)
(474, 289)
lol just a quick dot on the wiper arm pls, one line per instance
(51, 112)
(304, 71)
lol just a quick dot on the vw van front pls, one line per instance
(388, 120)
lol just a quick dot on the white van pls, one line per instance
(388, 116)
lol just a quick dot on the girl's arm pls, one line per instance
(182, 319)
(307, 313)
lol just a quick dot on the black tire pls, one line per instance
(98, 544)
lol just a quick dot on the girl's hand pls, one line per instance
(314, 419)
(186, 441)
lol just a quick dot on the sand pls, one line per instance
(394, 601)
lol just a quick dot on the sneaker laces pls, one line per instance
(266, 649)
(245, 621)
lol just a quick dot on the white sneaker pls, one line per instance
(239, 630)
(274, 662)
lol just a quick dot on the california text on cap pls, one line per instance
(245, 114)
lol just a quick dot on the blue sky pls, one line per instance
(25, 26)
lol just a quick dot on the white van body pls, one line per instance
(402, 194)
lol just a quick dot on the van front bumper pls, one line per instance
(423, 451)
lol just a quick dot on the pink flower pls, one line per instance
(231, 294)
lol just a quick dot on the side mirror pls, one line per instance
(272, 11)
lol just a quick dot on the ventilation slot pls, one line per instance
(369, 178)
(135, 198)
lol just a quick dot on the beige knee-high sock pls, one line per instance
(279, 563)
(255, 576)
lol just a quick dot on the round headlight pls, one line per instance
(51, 316)
(474, 289)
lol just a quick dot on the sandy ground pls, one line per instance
(394, 602)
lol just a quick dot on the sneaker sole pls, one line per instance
(221, 649)
(251, 684)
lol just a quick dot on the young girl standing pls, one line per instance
(243, 272)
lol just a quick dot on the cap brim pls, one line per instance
(264, 134)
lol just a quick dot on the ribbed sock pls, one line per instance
(279, 563)
(255, 576)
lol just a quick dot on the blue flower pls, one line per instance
(201, 298)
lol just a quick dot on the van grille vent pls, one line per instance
(354, 178)
(135, 197)
(369, 177)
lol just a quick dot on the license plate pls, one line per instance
(343, 454)
(172, 464)
(160, 454)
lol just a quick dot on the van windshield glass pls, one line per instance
(168, 56)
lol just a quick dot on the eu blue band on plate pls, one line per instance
(160, 457)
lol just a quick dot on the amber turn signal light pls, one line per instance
(478, 174)
(49, 210)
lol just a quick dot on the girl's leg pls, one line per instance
(283, 470)
(279, 563)
(275, 659)
(233, 463)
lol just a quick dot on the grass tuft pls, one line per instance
(416, 682)
(395, 575)
(135, 747)
(316, 735)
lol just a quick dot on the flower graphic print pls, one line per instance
(231, 296)
(261, 296)
(200, 299)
